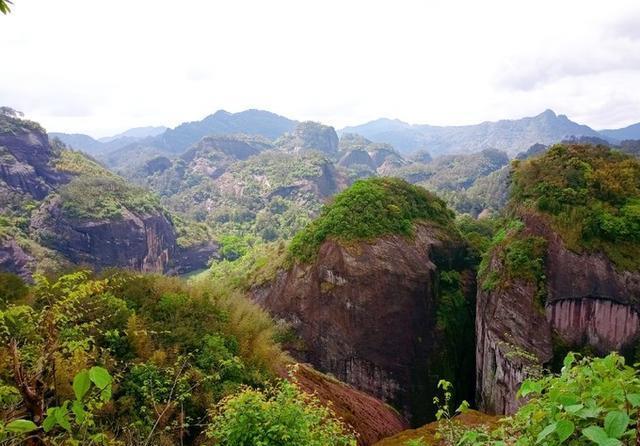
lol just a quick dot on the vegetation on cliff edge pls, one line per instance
(591, 195)
(371, 208)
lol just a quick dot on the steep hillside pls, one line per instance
(564, 274)
(511, 136)
(60, 207)
(379, 284)
(243, 185)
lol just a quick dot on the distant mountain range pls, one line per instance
(102, 146)
(161, 140)
(626, 133)
(512, 136)
(137, 132)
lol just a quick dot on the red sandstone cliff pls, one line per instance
(367, 313)
(589, 305)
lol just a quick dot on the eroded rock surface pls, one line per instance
(589, 304)
(367, 313)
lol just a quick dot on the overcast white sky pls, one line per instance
(101, 67)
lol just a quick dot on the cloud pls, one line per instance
(602, 55)
(82, 66)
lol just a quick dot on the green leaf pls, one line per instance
(545, 432)
(528, 386)
(81, 384)
(100, 377)
(616, 423)
(78, 410)
(568, 399)
(61, 418)
(596, 434)
(105, 394)
(569, 360)
(588, 412)
(574, 408)
(634, 399)
(564, 429)
(21, 426)
(50, 421)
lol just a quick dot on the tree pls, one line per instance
(4, 6)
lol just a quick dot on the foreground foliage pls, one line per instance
(592, 401)
(125, 358)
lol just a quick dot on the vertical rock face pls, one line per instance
(589, 305)
(513, 337)
(14, 260)
(141, 242)
(311, 136)
(601, 324)
(25, 156)
(367, 314)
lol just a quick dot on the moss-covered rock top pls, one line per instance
(591, 195)
(371, 208)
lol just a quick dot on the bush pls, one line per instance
(592, 401)
(105, 197)
(279, 415)
(12, 288)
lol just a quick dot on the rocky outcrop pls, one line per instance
(589, 305)
(140, 241)
(310, 136)
(144, 240)
(357, 157)
(14, 259)
(25, 160)
(370, 418)
(367, 314)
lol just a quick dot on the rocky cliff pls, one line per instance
(370, 313)
(42, 183)
(564, 274)
(587, 305)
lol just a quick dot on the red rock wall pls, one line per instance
(602, 324)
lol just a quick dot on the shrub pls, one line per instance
(279, 415)
(592, 401)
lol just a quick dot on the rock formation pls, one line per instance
(368, 313)
(142, 239)
(589, 305)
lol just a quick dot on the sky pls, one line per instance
(97, 67)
